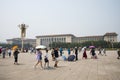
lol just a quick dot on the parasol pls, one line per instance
(84, 48)
(40, 47)
(91, 46)
(14, 47)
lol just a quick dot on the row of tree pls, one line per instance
(5, 45)
(97, 44)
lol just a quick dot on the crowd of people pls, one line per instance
(8, 52)
(56, 53)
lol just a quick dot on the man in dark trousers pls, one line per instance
(56, 55)
(15, 54)
(76, 53)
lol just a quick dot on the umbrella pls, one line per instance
(41, 47)
(84, 48)
(14, 47)
(91, 46)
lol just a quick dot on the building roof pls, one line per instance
(55, 35)
(13, 39)
(18, 39)
(111, 34)
(91, 37)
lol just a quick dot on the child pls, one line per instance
(52, 53)
(46, 59)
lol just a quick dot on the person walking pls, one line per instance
(84, 54)
(76, 53)
(94, 56)
(52, 53)
(15, 54)
(69, 51)
(99, 51)
(104, 51)
(0, 51)
(39, 58)
(46, 59)
(56, 55)
(3, 52)
(9, 52)
(118, 52)
(61, 51)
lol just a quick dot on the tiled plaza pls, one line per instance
(103, 68)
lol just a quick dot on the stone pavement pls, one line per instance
(104, 68)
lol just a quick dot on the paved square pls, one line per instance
(103, 68)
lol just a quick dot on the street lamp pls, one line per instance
(111, 41)
(23, 34)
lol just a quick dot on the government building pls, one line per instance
(70, 38)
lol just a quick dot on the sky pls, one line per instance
(46, 17)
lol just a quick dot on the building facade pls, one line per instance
(48, 39)
(111, 37)
(89, 38)
(70, 38)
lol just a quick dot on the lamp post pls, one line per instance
(23, 34)
(111, 41)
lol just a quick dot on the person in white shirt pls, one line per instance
(46, 59)
(9, 52)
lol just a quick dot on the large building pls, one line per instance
(89, 38)
(65, 38)
(112, 37)
(70, 38)
(47, 39)
(19, 41)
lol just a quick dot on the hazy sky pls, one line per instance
(45, 17)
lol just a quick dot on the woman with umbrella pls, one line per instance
(15, 54)
(84, 54)
(39, 58)
(94, 56)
